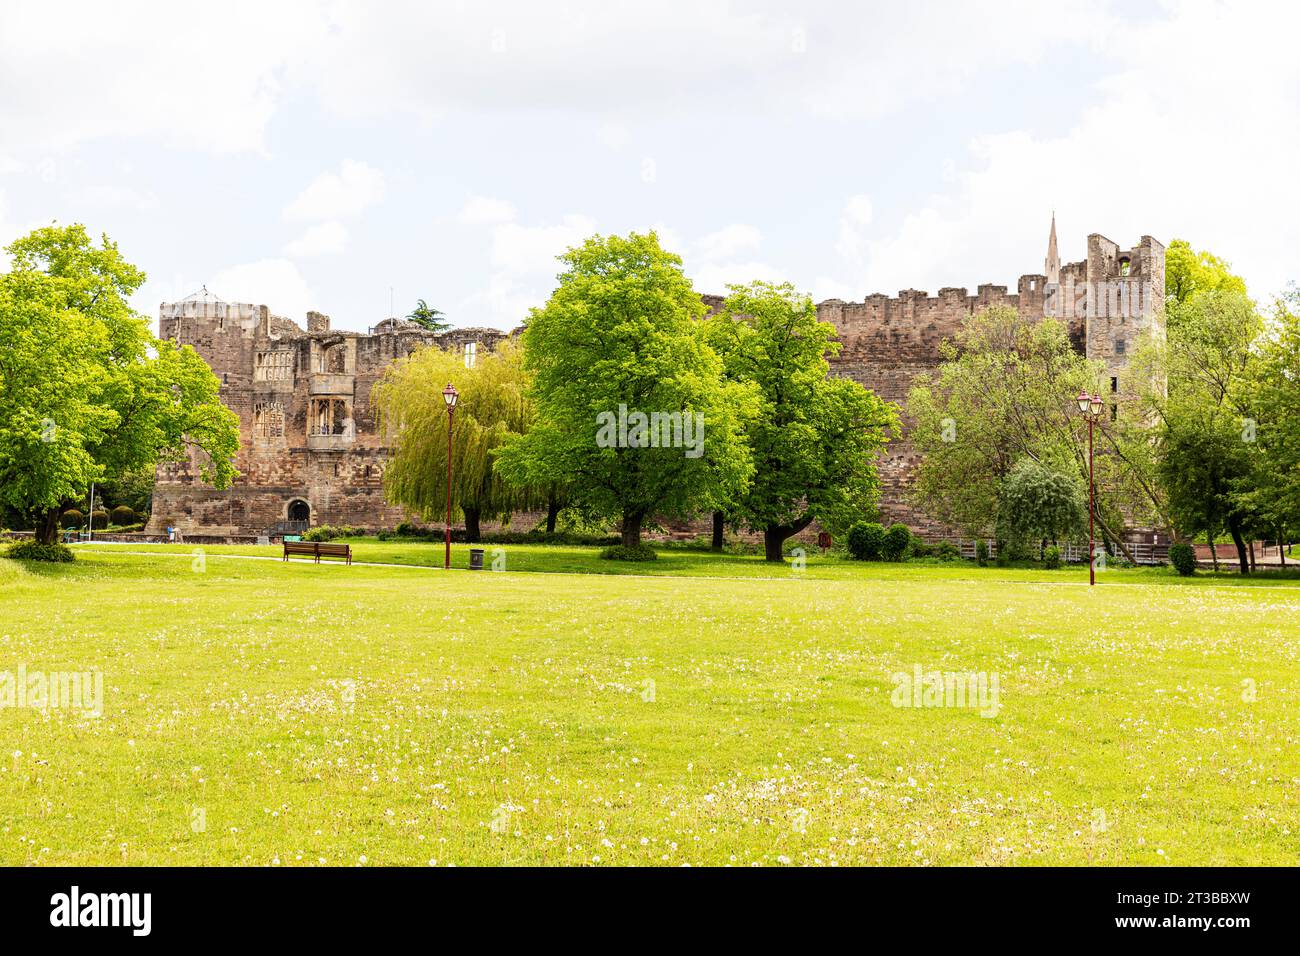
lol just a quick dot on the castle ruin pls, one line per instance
(311, 454)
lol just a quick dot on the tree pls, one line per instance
(493, 406)
(1206, 430)
(85, 390)
(633, 413)
(1189, 273)
(1272, 394)
(815, 440)
(1039, 503)
(427, 317)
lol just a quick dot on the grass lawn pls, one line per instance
(700, 710)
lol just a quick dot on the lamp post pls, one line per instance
(1090, 406)
(449, 395)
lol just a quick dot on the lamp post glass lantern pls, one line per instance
(450, 396)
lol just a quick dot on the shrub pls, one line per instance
(981, 552)
(1052, 558)
(897, 539)
(99, 519)
(329, 533)
(407, 530)
(866, 539)
(122, 515)
(72, 518)
(1183, 557)
(35, 551)
(618, 552)
(947, 551)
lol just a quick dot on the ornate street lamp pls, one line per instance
(1090, 407)
(450, 396)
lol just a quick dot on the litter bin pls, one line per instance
(476, 559)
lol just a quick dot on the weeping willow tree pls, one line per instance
(493, 405)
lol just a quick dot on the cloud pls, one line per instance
(522, 259)
(1189, 137)
(350, 191)
(276, 283)
(485, 211)
(857, 216)
(206, 78)
(728, 242)
(322, 239)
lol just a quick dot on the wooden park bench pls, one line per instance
(317, 550)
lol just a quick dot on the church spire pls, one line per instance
(1052, 265)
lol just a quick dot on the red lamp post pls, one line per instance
(1090, 406)
(449, 395)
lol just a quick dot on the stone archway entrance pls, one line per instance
(299, 511)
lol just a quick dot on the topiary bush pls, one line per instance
(1183, 557)
(122, 515)
(865, 541)
(640, 552)
(1052, 558)
(896, 541)
(98, 520)
(72, 518)
(35, 551)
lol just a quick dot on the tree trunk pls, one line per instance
(1243, 558)
(47, 526)
(773, 537)
(632, 529)
(1252, 555)
(471, 525)
(1214, 550)
(1281, 549)
(552, 513)
(717, 531)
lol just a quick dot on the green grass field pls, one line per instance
(702, 710)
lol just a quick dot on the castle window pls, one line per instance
(471, 354)
(274, 365)
(1114, 385)
(268, 420)
(1120, 346)
(1124, 266)
(329, 416)
(334, 359)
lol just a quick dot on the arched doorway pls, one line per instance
(299, 510)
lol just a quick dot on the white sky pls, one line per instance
(318, 154)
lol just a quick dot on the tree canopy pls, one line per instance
(814, 439)
(428, 317)
(633, 411)
(86, 391)
(493, 407)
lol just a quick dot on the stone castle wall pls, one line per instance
(308, 431)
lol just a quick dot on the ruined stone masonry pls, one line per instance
(310, 453)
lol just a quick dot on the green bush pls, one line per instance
(1183, 557)
(99, 519)
(329, 533)
(866, 540)
(896, 542)
(35, 551)
(981, 552)
(946, 551)
(72, 518)
(407, 530)
(618, 552)
(122, 515)
(1052, 558)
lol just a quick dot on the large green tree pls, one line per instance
(1197, 395)
(493, 406)
(86, 391)
(815, 440)
(634, 414)
(1038, 503)
(1189, 272)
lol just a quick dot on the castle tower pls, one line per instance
(1052, 264)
